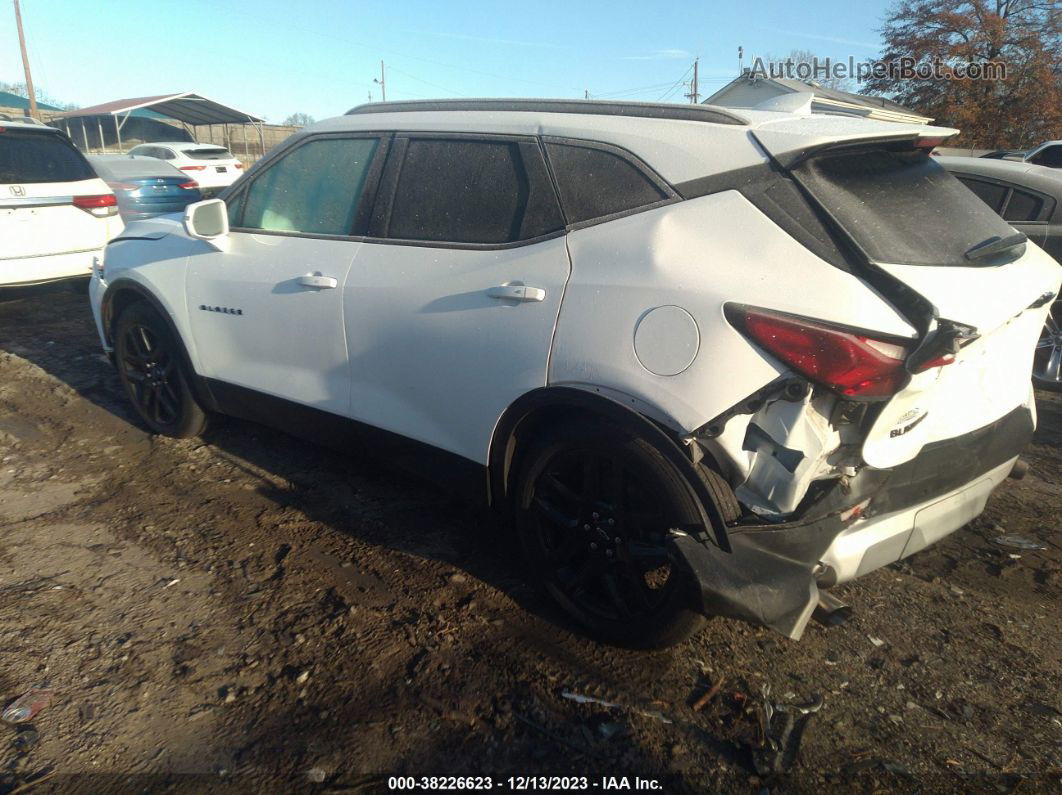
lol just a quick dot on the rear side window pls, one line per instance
(1024, 207)
(595, 183)
(901, 207)
(40, 157)
(988, 192)
(472, 191)
(316, 188)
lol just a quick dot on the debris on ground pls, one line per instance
(781, 728)
(1019, 542)
(581, 699)
(711, 693)
(25, 707)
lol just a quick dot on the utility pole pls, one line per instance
(25, 64)
(693, 96)
(380, 82)
(586, 93)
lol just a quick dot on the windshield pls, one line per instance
(27, 157)
(209, 153)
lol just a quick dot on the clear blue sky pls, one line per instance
(275, 57)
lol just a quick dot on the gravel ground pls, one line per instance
(246, 612)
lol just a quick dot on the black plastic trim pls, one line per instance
(648, 110)
(459, 475)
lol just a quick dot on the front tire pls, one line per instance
(594, 506)
(151, 370)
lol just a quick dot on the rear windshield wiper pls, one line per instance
(997, 245)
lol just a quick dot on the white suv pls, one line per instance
(708, 364)
(211, 166)
(56, 215)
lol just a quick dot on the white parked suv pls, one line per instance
(56, 215)
(707, 364)
(211, 166)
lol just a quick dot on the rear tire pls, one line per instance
(155, 381)
(593, 508)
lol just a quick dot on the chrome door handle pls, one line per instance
(516, 292)
(318, 281)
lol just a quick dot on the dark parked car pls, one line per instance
(1029, 197)
(145, 186)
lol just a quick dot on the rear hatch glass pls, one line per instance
(900, 206)
(209, 153)
(30, 157)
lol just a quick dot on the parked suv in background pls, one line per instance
(1029, 197)
(56, 215)
(213, 167)
(708, 364)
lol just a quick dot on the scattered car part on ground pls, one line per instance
(534, 284)
(25, 708)
(56, 215)
(145, 186)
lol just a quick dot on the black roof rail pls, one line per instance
(589, 107)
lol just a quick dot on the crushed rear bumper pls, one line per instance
(773, 574)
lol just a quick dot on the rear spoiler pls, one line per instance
(792, 141)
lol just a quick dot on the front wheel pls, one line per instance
(593, 511)
(1047, 362)
(149, 365)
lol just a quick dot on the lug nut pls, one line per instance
(608, 553)
(593, 545)
(586, 527)
(611, 521)
(596, 515)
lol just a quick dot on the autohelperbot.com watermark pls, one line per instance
(903, 68)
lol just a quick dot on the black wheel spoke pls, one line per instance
(616, 594)
(591, 479)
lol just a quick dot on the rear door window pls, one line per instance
(472, 191)
(596, 182)
(316, 188)
(900, 207)
(1050, 157)
(28, 157)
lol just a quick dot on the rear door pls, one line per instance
(918, 224)
(40, 174)
(451, 303)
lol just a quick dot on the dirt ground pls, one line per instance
(249, 613)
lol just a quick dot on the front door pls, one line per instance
(267, 314)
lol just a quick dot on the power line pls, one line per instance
(675, 85)
(427, 82)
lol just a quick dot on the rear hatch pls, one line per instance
(215, 159)
(43, 179)
(975, 291)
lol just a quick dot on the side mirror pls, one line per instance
(209, 221)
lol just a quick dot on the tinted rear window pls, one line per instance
(595, 183)
(40, 157)
(208, 153)
(901, 207)
(1024, 207)
(988, 192)
(128, 168)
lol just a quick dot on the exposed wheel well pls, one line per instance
(548, 406)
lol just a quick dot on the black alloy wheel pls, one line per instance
(1047, 361)
(595, 510)
(150, 368)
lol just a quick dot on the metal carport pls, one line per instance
(188, 108)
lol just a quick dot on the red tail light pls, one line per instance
(101, 206)
(189, 185)
(123, 186)
(192, 168)
(238, 165)
(844, 360)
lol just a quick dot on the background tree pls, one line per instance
(299, 120)
(1019, 111)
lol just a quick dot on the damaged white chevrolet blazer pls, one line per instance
(707, 363)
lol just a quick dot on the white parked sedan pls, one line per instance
(213, 167)
(707, 364)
